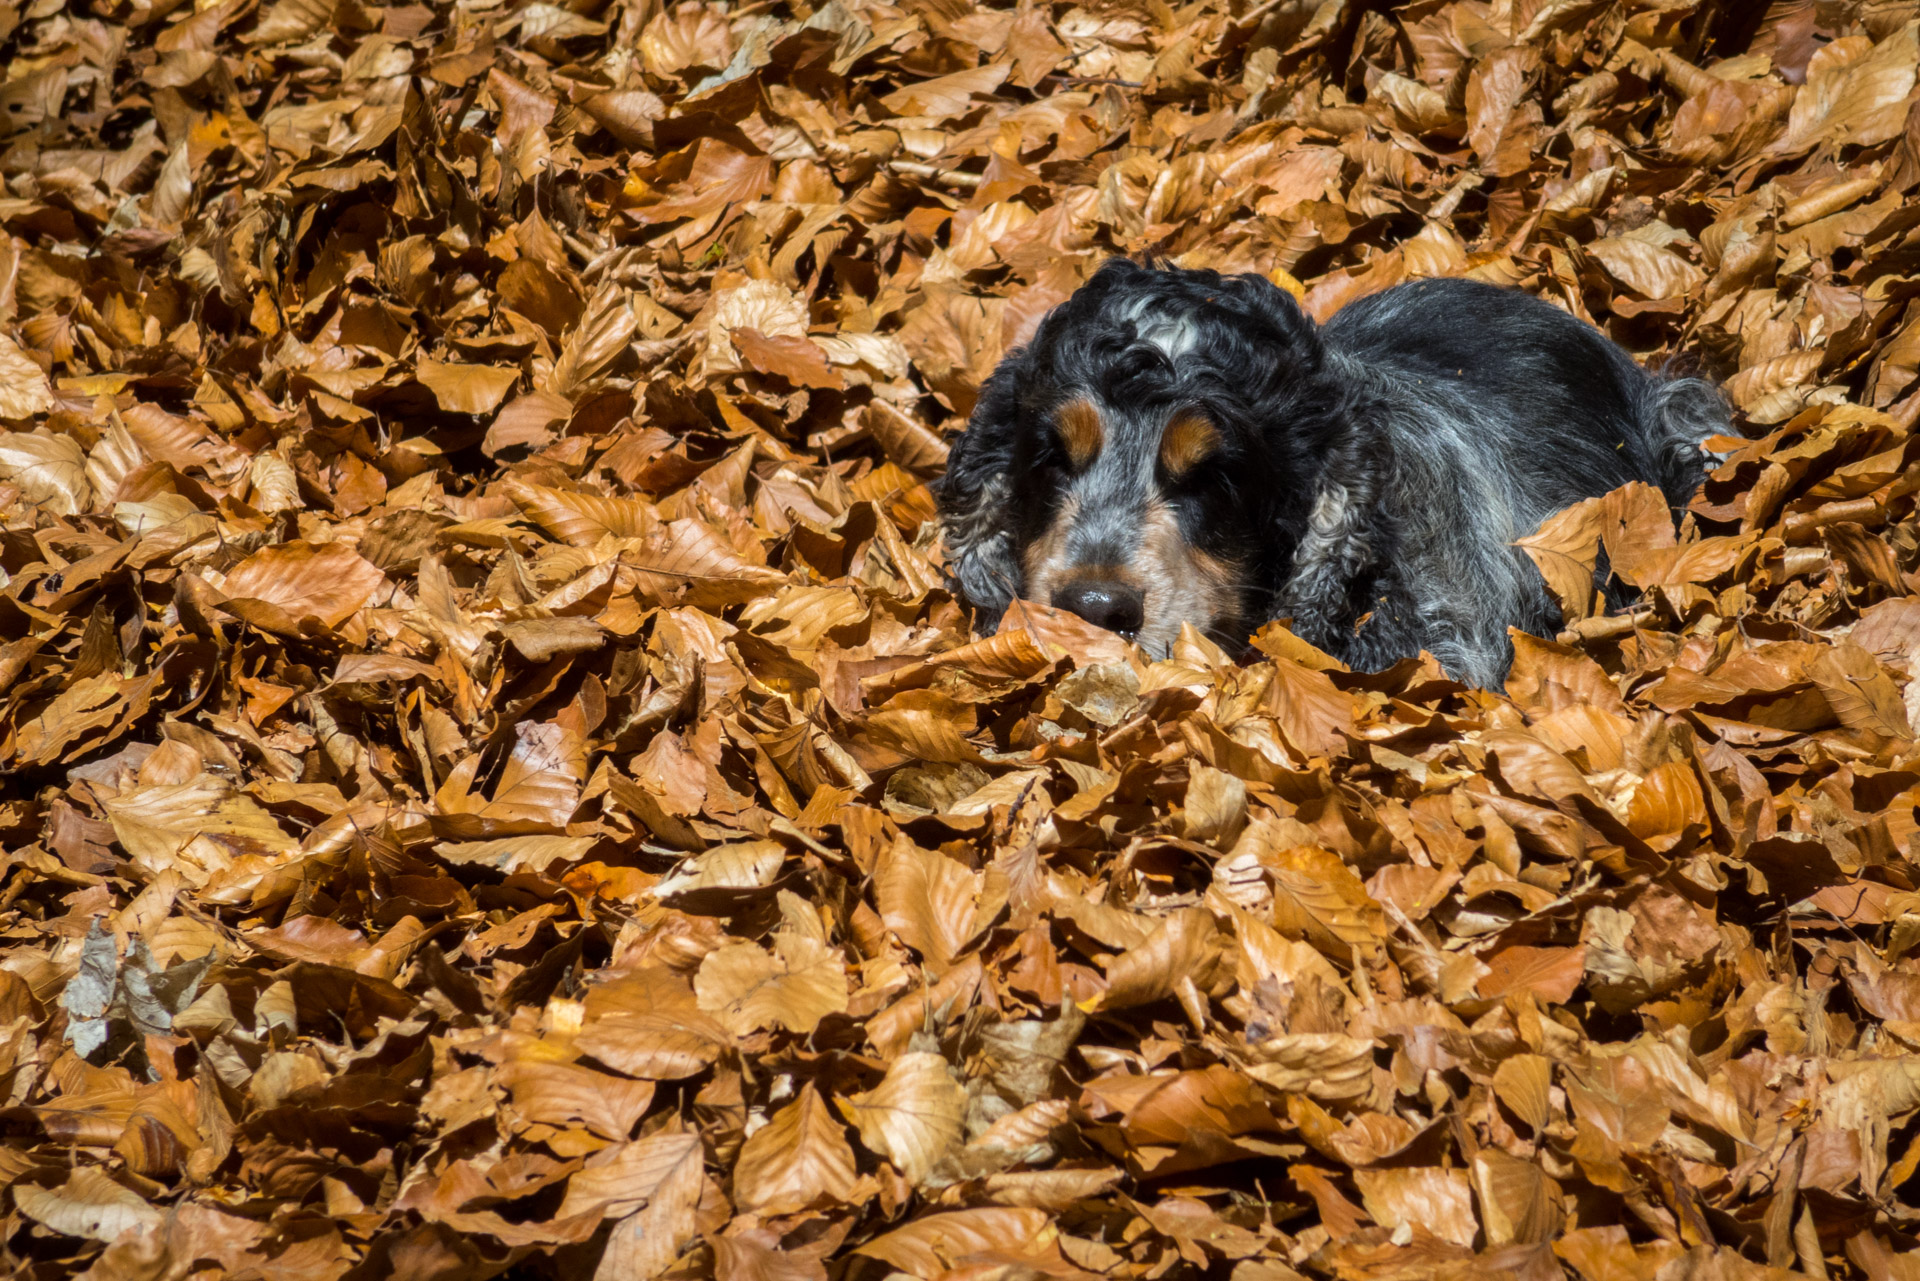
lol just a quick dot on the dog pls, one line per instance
(1178, 446)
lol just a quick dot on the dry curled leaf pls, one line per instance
(799, 1157)
(914, 1117)
(467, 389)
(87, 1205)
(797, 985)
(23, 384)
(290, 587)
(50, 472)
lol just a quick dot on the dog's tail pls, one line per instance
(1677, 416)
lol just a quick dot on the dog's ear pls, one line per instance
(977, 519)
(1272, 309)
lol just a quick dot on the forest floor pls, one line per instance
(495, 782)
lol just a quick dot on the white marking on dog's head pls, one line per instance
(1174, 334)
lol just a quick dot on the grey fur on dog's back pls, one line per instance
(1526, 365)
(1515, 411)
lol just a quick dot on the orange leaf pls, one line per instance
(789, 356)
(296, 587)
(467, 389)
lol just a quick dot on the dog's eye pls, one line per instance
(1079, 429)
(1189, 440)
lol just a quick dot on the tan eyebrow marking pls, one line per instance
(1081, 431)
(1187, 442)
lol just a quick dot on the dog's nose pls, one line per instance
(1104, 603)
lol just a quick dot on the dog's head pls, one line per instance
(1123, 463)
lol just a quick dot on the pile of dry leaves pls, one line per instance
(494, 780)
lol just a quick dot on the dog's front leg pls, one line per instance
(1343, 547)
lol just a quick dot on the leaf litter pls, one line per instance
(496, 784)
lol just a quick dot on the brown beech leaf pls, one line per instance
(790, 356)
(670, 43)
(1532, 769)
(1523, 1083)
(467, 389)
(1183, 948)
(1325, 1065)
(1759, 385)
(1517, 1199)
(1500, 123)
(1033, 48)
(1565, 549)
(720, 175)
(583, 519)
(928, 900)
(1861, 693)
(195, 829)
(1665, 802)
(627, 1176)
(798, 1158)
(914, 1117)
(50, 471)
(1547, 677)
(805, 615)
(1854, 90)
(1632, 524)
(23, 384)
(795, 986)
(686, 559)
(1549, 973)
(946, 96)
(1314, 714)
(753, 1257)
(1167, 1108)
(904, 440)
(88, 1204)
(604, 330)
(1435, 1201)
(290, 587)
(928, 1246)
(628, 114)
(646, 1243)
(540, 782)
(1648, 269)
(648, 1023)
(1316, 896)
(566, 1094)
(1058, 632)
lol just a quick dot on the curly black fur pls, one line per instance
(1369, 479)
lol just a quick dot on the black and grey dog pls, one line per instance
(1181, 446)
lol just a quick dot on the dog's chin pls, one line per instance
(1154, 646)
(1156, 636)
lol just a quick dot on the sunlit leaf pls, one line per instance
(23, 384)
(797, 985)
(914, 1117)
(926, 899)
(800, 1156)
(281, 587)
(88, 1204)
(49, 470)
(467, 389)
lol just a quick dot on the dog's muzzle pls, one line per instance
(1104, 602)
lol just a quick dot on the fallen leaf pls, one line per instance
(914, 1117)
(800, 1156)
